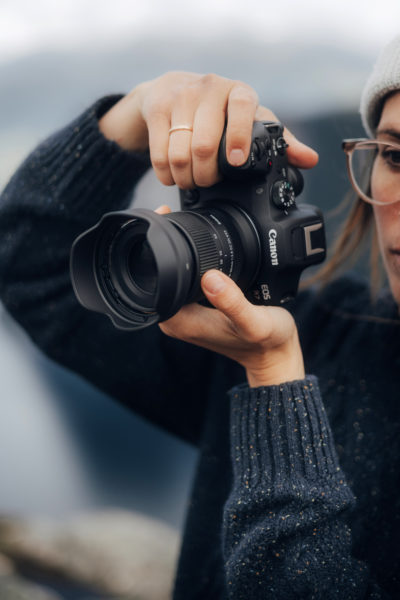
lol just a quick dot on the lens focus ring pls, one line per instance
(207, 250)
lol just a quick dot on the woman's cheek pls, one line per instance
(387, 221)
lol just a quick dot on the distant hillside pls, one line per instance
(43, 91)
(44, 88)
(312, 88)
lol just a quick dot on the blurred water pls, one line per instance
(33, 438)
(67, 447)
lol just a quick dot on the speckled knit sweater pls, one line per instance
(294, 497)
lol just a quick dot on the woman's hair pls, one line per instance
(357, 231)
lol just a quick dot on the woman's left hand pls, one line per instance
(262, 339)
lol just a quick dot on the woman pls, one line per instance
(273, 512)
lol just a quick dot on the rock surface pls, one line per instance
(15, 588)
(118, 553)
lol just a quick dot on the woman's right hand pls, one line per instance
(142, 120)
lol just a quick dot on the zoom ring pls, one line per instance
(202, 238)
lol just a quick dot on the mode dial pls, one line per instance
(283, 194)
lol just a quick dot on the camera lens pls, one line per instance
(142, 266)
(139, 267)
(223, 239)
(126, 267)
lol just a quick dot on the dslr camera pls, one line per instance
(139, 267)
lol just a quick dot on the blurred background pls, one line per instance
(65, 447)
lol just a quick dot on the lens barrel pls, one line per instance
(139, 267)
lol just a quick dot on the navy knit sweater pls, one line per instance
(294, 497)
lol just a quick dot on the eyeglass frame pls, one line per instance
(348, 147)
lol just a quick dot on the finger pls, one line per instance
(205, 327)
(192, 323)
(208, 128)
(299, 155)
(211, 92)
(180, 157)
(158, 125)
(242, 106)
(180, 142)
(253, 324)
(163, 209)
(225, 295)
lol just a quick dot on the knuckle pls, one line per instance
(233, 306)
(154, 108)
(254, 338)
(160, 162)
(242, 102)
(186, 94)
(238, 139)
(179, 160)
(210, 80)
(250, 335)
(173, 75)
(243, 95)
(204, 148)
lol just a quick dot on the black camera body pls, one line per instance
(140, 268)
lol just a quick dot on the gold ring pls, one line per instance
(180, 128)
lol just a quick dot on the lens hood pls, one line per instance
(102, 287)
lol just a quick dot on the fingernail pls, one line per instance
(236, 157)
(213, 282)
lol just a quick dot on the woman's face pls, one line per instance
(387, 218)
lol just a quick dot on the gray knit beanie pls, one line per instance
(385, 78)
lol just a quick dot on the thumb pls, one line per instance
(224, 294)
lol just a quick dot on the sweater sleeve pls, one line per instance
(285, 531)
(61, 189)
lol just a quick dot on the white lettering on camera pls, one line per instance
(265, 291)
(272, 235)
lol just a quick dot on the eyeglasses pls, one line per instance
(374, 169)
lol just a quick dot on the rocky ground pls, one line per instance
(112, 554)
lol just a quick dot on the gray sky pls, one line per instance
(27, 26)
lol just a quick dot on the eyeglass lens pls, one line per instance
(382, 162)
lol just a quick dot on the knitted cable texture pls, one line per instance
(385, 78)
